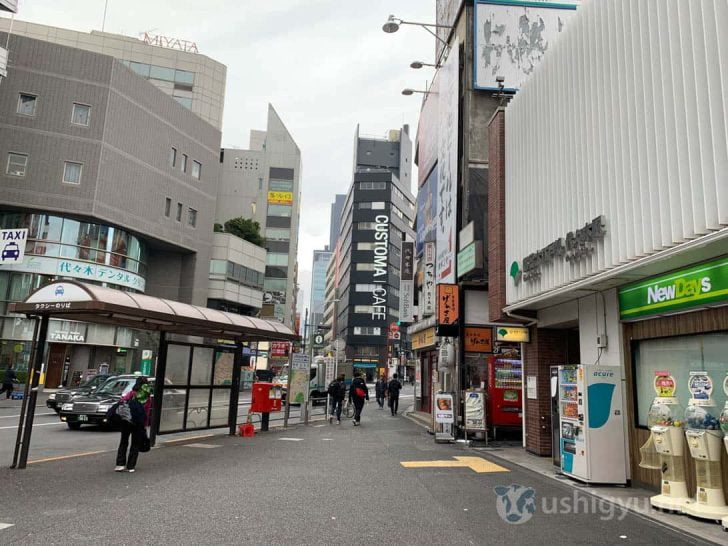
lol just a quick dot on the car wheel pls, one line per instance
(74, 426)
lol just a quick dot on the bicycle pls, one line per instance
(349, 410)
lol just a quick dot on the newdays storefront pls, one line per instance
(617, 216)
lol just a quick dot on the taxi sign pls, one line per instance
(12, 245)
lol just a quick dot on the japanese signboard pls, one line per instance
(474, 411)
(512, 333)
(428, 282)
(280, 197)
(447, 153)
(12, 245)
(279, 348)
(407, 283)
(444, 409)
(425, 338)
(448, 309)
(299, 380)
(478, 340)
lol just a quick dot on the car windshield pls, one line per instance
(94, 381)
(117, 386)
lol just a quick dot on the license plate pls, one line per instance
(83, 417)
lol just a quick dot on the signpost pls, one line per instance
(12, 245)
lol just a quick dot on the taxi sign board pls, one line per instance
(12, 245)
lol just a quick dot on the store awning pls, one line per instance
(91, 303)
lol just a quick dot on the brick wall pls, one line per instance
(547, 348)
(496, 227)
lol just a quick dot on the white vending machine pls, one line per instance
(592, 424)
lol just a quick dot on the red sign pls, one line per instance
(393, 327)
(279, 348)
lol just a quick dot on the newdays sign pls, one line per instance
(699, 285)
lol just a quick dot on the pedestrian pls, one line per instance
(358, 392)
(337, 391)
(8, 379)
(139, 399)
(393, 392)
(381, 391)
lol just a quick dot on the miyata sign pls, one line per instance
(381, 263)
(699, 285)
(169, 43)
(12, 245)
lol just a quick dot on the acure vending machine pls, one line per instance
(505, 383)
(592, 424)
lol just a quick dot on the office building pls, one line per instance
(173, 65)
(321, 259)
(337, 207)
(115, 182)
(263, 183)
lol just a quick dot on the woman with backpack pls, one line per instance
(358, 392)
(139, 402)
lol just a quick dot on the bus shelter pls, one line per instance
(196, 385)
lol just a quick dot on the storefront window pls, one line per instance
(679, 356)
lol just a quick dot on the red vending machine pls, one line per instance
(505, 384)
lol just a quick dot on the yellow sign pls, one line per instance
(425, 338)
(476, 464)
(280, 197)
(512, 333)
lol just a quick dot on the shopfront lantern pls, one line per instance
(447, 355)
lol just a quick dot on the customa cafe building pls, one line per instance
(616, 206)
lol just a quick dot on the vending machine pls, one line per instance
(505, 383)
(592, 424)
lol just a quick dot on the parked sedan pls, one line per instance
(92, 408)
(57, 399)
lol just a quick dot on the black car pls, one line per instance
(57, 399)
(92, 408)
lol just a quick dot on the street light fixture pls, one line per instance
(393, 23)
(419, 64)
(407, 92)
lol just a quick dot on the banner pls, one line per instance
(444, 409)
(280, 197)
(427, 212)
(474, 411)
(447, 167)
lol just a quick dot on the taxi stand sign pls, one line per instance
(12, 245)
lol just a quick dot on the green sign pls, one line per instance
(695, 286)
(468, 259)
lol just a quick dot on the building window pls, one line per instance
(179, 212)
(364, 309)
(81, 114)
(367, 331)
(372, 185)
(367, 287)
(72, 172)
(366, 226)
(196, 169)
(277, 234)
(173, 157)
(364, 266)
(280, 185)
(365, 246)
(167, 207)
(184, 101)
(26, 104)
(184, 163)
(277, 259)
(17, 164)
(192, 217)
(280, 210)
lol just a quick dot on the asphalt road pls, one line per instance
(318, 484)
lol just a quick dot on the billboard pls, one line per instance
(427, 212)
(280, 197)
(445, 13)
(447, 166)
(427, 132)
(511, 39)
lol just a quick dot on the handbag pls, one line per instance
(145, 445)
(361, 393)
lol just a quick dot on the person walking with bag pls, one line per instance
(337, 391)
(8, 379)
(133, 412)
(358, 392)
(381, 391)
(393, 392)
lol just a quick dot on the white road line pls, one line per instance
(204, 446)
(6, 525)
(16, 416)
(34, 425)
(291, 439)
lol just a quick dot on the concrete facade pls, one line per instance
(251, 186)
(127, 176)
(195, 81)
(237, 269)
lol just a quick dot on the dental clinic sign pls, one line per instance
(696, 286)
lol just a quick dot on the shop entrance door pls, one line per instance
(56, 357)
(426, 376)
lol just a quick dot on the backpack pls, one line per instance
(394, 387)
(120, 412)
(335, 389)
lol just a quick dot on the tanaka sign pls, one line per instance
(381, 263)
(695, 286)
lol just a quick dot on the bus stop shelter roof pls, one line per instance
(91, 303)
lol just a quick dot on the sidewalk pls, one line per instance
(634, 499)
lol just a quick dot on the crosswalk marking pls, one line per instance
(291, 439)
(5, 525)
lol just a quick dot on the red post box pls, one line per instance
(266, 398)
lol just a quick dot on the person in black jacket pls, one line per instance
(358, 392)
(8, 382)
(381, 391)
(393, 392)
(337, 392)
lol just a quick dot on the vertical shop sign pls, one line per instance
(447, 304)
(428, 283)
(407, 283)
(447, 153)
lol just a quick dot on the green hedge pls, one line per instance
(20, 377)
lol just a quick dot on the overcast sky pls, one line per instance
(325, 65)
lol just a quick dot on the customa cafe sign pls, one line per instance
(698, 285)
(576, 246)
(381, 264)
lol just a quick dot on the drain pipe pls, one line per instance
(529, 321)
